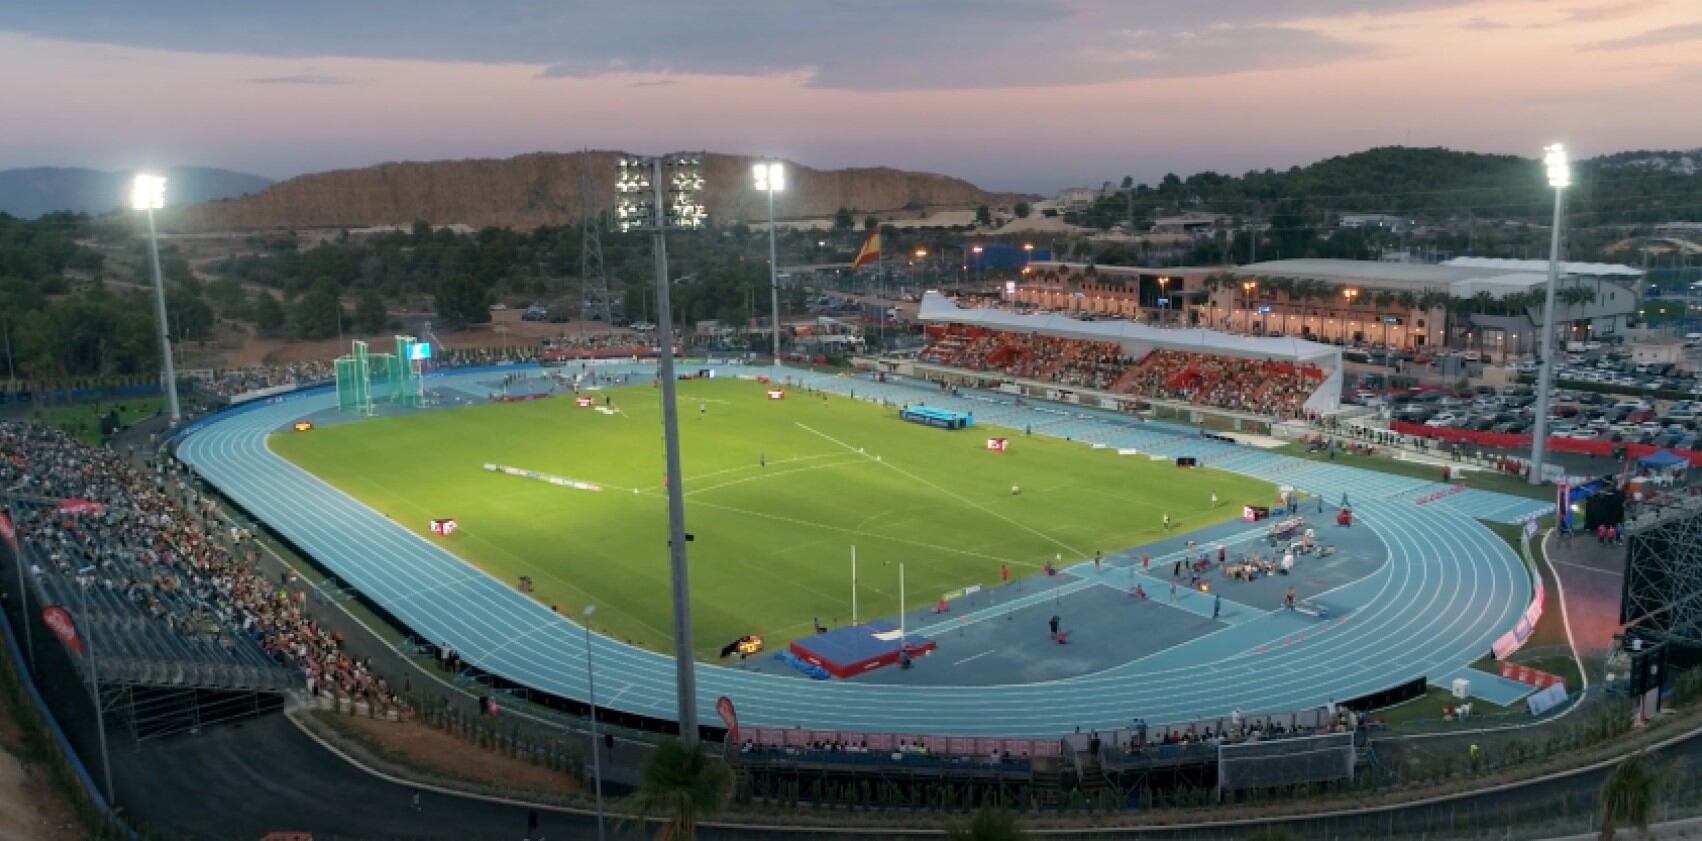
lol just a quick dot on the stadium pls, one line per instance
(1084, 506)
(1171, 548)
(1037, 545)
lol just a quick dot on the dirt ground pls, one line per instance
(31, 807)
(421, 746)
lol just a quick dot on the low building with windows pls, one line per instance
(1491, 307)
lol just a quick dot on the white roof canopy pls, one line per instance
(938, 308)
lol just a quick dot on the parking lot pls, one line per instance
(1601, 394)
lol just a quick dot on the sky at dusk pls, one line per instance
(1012, 94)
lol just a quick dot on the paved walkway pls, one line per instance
(1592, 575)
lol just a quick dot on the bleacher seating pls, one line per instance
(171, 602)
(1255, 386)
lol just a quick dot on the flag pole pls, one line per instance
(901, 634)
(853, 585)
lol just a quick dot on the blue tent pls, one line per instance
(1662, 460)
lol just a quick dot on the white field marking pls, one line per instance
(701, 476)
(975, 657)
(1570, 565)
(966, 501)
(871, 535)
(523, 635)
(473, 535)
(772, 474)
(1565, 617)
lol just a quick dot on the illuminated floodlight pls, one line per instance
(1559, 170)
(636, 199)
(147, 192)
(770, 176)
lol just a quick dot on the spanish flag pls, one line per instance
(870, 252)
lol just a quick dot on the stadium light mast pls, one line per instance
(596, 749)
(86, 579)
(147, 194)
(1559, 177)
(771, 179)
(641, 203)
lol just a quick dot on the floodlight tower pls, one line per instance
(771, 179)
(1559, 177)
(656, 195)
(147, 194)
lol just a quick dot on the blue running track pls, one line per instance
(1449, 588)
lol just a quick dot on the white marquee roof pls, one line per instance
(938, 308)
(1611, 270)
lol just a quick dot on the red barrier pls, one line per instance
(1527, 675)
(1505, 441)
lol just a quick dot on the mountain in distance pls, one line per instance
(545, 188)
(1431, 185)
(33, 191)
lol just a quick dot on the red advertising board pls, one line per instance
(1505, 441)
(724, 708)
(58, 620)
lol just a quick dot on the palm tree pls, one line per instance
(681, 784)
(1630, 794)
(989, 824)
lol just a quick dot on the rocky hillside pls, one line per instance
(544, 189)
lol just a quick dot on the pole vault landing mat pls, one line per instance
(848, 652)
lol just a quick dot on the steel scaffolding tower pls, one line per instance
(593, 279)
(1662, 599)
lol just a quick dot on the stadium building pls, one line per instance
(1491, 306)
(1109, 365)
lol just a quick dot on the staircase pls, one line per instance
(1093, 779)
(1048, 782)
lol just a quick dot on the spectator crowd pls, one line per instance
(229, 383)
(159, 544)
(1255, 386)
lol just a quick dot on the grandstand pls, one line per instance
(1197, 369)
(169, 609)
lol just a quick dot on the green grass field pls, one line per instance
(772, 544)
(82, 420)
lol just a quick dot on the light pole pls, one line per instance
(596, 747)
(94, 678)
(771, 179)
(6, 333)
(1559, 177)
(641, 204)
(1027, 255)
(147, 194)
(919, 275)
(980, 270)
(1163, 299)
(23, 594)
(1351, 295)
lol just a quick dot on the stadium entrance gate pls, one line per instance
(365, 379)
